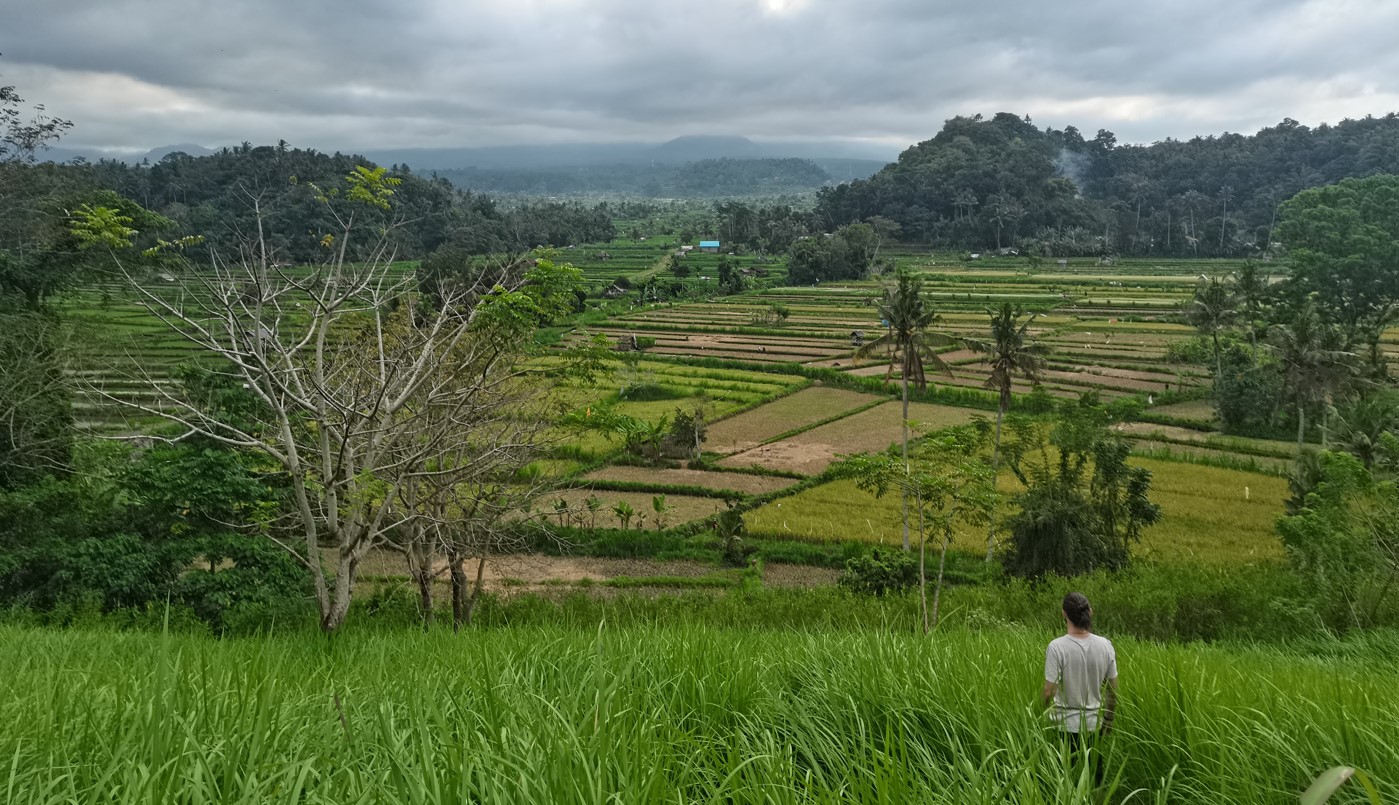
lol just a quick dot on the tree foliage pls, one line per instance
(983, 182)
(1343, 244)
(1344, 539)
(1083, 506)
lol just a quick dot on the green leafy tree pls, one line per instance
(1011, 353)
(1083, 506)
(1344, 540)
(1359, 427)
(1314, 363)
(1343, 244)
(909, 342)
(1213, 311)
(36, 411)
(949, 484)
(1251, 286)
(23, 136)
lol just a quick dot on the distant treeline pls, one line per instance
(1001, 182)
(221, 197)
(708, 178)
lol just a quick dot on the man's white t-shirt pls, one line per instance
(1079, 666)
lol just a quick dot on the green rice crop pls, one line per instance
(661, 715)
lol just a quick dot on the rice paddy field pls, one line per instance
(686, 706)
(1109, 329)
(579, 715)
(1210, 515)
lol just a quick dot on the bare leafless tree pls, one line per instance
(359, 390)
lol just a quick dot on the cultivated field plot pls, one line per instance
(680, 508)
(741, 482)
(810, 452)
(806, 407)
(1212, 515)
(1149, 432)
(763, 349)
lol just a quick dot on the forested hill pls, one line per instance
(1002, 182)
(219, 196)
(706, 178)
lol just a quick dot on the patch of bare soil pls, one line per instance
(521, 573)
(807, 459)
(736, 481)
(798, 576)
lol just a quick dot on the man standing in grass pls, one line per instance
(1078, 667)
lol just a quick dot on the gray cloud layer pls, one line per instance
(358, 74)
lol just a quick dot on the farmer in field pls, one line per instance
(1080, 680)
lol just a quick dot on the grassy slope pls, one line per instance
(654, 715)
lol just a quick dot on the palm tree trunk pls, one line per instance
(904, 495)
(995, 470)
(1218, 361)
(1326, 422)
(1301, 423)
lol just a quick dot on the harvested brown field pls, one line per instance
(810, 405)
(811, 452)
(745, 483)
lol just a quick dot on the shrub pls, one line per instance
(880, 572)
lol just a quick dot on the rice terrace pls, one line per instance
(323, 481)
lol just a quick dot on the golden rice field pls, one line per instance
(1209, 514)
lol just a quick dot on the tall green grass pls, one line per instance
(660, 715)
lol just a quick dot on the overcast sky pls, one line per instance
(365, 74)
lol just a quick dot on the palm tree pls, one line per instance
(1010, 352)
(1225, 193)
(1212, 311)
(1313, 362)
(1361, 425)
(1250, 286)
(908, 317)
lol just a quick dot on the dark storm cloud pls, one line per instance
(376, 73)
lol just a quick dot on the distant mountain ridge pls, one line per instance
(678, 151)
(690, 148)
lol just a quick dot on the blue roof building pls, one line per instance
(711, 246)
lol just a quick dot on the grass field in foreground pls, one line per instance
(1208, 514)
(659, 716)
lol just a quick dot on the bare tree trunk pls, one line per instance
(420, 570)
(459, 615)
(942, 566)
(476, 588)
(333, 616)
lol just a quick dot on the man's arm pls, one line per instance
(1053, 670)
(1109, 706)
